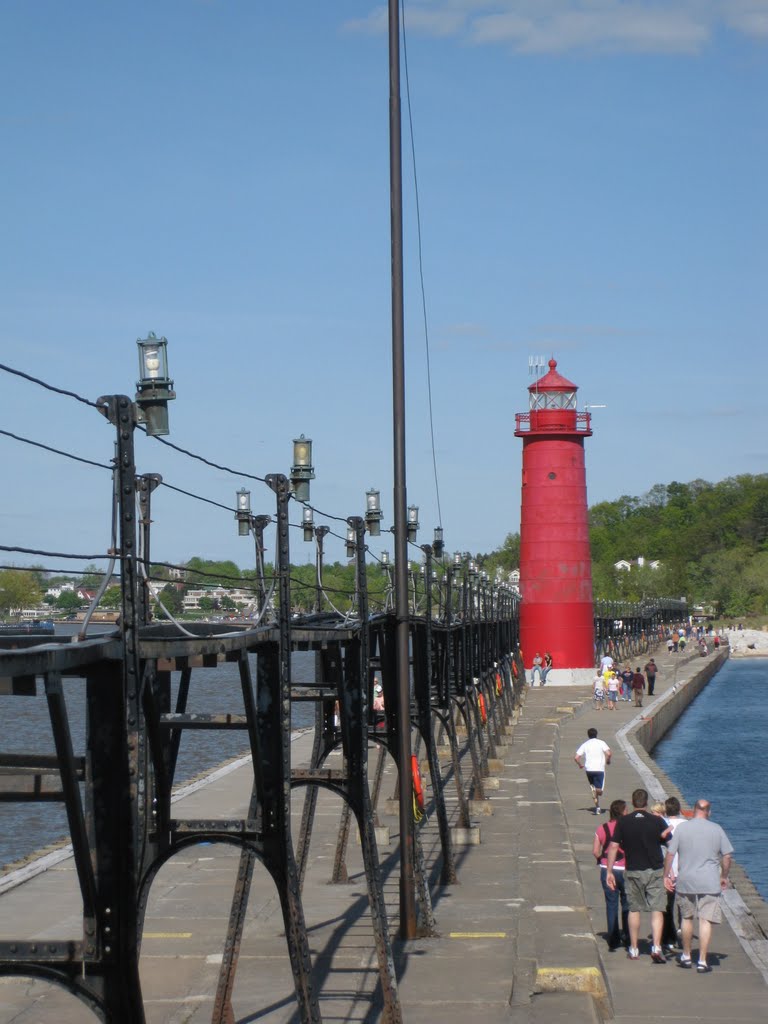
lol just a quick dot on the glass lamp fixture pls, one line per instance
(302, 470)
(457, 562)
(373, 513)
(385, 558)
(437, 542)
(351, 542)
(243, 513)
(413, 522)
(308, 524)
(154, 387)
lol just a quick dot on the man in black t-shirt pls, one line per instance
(640, 835)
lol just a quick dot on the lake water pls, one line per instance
(26, 827)
(716, 750)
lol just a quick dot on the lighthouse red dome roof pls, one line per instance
(552, 381)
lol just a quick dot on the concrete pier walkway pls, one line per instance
(520, 938)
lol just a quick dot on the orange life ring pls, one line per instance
(418, 790)
(514, 669)
(498, 684)
(481, 705)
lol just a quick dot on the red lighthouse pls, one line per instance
(556, 613)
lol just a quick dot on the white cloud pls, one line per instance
(585, 26)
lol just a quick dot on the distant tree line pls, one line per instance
(711, 541)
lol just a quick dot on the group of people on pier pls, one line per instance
(657, 860)
(678, 637)
(612, 685)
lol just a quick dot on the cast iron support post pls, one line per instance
(320, 533)
(145, 484)
(118, 932)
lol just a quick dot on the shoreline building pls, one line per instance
(556, 613)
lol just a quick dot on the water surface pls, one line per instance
(716, 750)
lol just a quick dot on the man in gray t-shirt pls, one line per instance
(704, 860)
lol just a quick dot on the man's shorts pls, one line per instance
(706, 907)
(645, 889)
(596, 779)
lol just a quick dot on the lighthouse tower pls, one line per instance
(556, 613)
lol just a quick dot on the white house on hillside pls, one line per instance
(638, 563)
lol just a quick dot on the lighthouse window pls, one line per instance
(552, 475)
(553, 400)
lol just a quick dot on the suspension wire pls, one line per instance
(193, 455)
(325, 515)
(200, 458)
(421, 261)
(197, 497)
(139, 426)
(52, 554)
(50, 387)
(56, 451)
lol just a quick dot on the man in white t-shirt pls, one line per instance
(593, 755)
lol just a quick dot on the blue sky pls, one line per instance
(592, 186)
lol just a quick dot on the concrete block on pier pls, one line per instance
(466, 836)
(381, 832)
(481, 808)
(495, 766)
(491, 782)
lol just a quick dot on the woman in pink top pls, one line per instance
(603, 835)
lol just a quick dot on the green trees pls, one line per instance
(711, 540)
(68, 601)
(172, 599)
(18, 589)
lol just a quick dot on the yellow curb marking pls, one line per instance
(167, 935)
(477, 935)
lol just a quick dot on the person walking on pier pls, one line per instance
(598, 691)
(626, 683)
(673, 818)
(596, 755)
(612, 690)
(640, 834)
(704, 861)
(638, 685)
(616, 937)
(650, 674)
